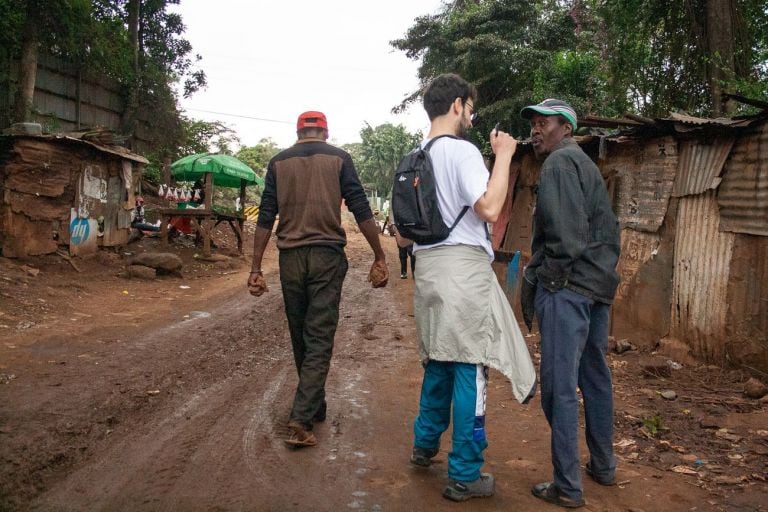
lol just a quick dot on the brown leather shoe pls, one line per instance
(298, 436)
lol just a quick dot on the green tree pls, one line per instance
(514, 51)
(606, 57)
(139, 43)
(683, 55)
(257, 157)
(380, 152)
(196, 136)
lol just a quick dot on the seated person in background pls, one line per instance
(138, 221)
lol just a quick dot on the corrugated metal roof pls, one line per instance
(699, 165)
(114, 150)
(743, 194)
(702, 121)
(700, 284)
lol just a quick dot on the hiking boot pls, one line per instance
(601, 480)
(550, 493)
(483, 487)
(423, 456)
(299, 436)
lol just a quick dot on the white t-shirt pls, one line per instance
(461, 178)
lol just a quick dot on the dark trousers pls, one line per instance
(574, 341)
(311, 278)
(404, 252)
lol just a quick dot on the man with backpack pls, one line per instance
(305, 184)
(464, 322)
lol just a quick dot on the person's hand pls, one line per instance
(527, 297)
(379, 274)
(502, 141)
(257, 285)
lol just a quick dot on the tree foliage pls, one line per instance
(257, 157)
(606, 57)
(379, 153)
(94, 36)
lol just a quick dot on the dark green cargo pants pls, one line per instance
(312, 278)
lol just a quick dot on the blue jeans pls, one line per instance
(574, 340)
(465, 385)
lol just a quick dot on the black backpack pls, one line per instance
(414, 199)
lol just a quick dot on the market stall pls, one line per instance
(212, 170)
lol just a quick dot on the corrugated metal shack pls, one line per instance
(59, 190)
(691, 195)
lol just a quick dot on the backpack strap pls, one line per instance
(429, 144)
(463, 211)
(426, 148)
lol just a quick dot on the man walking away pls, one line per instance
(464, 322)
(570, 282)
(305, 184)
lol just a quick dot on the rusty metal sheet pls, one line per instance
(25, 237)
(520, 226)
(743, 194)
(37, 207)
(113, 232)
(702, 121)
(701, 273)
(747, 325)
(637, 248)
(645, 171)
(700, 163)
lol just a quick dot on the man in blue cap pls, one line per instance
(570, 283)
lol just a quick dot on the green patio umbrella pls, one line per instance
(227, 170)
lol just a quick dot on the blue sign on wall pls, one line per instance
(78, 231)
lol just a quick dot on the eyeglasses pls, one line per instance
(472, 113)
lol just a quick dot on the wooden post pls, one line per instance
(209, 191)
(164, 228)
(241, 217)
(242, 195)
(209, 208)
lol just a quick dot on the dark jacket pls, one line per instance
(576, 239)
(305, 185)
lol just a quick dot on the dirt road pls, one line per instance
(175, 399)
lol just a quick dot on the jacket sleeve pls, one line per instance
(564, 224)
(268, 208)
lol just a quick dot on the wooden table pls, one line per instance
(203, 221)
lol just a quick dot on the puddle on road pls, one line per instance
(197, 314)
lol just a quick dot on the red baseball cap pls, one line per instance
(312, 119)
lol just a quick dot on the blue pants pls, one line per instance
(464, 385)
(574, 340)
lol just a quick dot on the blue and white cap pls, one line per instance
(551, 107)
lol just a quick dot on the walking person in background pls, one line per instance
(404, 249)
(463, 320)
(570, 283)
(404, 253)
(305, 184)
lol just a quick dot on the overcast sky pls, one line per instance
(272, 60)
